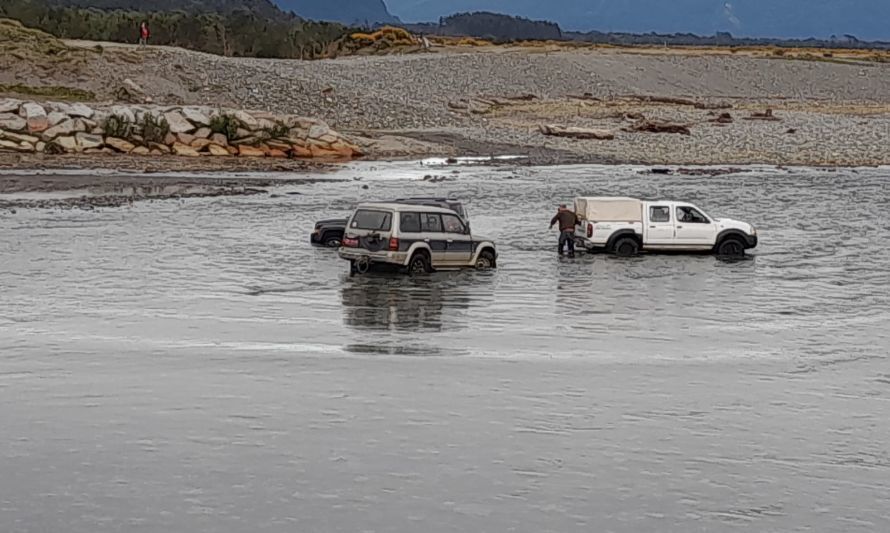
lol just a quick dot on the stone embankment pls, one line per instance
(195, 131)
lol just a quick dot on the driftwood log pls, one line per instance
(658, 126)
(576, 133)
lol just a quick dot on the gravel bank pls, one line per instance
(409, 94)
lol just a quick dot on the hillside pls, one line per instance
(352, 12)
(760, 18)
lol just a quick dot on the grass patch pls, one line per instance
(54, 92)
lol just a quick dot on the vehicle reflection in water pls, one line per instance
(397, 303)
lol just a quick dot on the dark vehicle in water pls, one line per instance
(329, 232)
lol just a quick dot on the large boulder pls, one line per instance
(178, 123)
(87, 141)
(12, 122)
(185, 150)
(68, 144)
(250, 151)
(217, 150)
(64, 128)
(196, 116)
(130, 91)
(9, 105)
(56, 117)
(18, 137)
(124, 112)
(316, 131)
(120, 144)
(81, 110)
(35, 116)
(247, 119)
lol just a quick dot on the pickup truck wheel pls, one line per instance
(731, 247)
(626, 247)
(332, 240)
(486, 261)
(419, 264)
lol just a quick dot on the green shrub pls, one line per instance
(225, 124)
(277, 131)
(118, 126)
(155, 130)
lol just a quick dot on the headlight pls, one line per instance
(753, 230)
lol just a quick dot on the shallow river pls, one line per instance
(197, 366)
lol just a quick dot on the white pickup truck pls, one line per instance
(627, 226)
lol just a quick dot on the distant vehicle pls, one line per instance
(414, 238)
(329, 232)
(628, 226)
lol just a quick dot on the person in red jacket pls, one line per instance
(144, 34)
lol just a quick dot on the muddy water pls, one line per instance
(196, 366)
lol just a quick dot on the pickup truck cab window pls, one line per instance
(367, 219)
(691, 215)
(659, 213)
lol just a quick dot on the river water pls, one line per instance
(197, 366)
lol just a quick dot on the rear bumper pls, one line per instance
(356, 254)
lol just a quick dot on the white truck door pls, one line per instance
(694, 228)
(659, 224)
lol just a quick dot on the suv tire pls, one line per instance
(486, 260)
(419, 264)
(332, 240)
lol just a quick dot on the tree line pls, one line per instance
(237, 32)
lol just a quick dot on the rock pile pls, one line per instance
(57, 128)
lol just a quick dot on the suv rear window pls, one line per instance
(409, 222)
(371, 220)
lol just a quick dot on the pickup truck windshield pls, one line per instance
(371, 220)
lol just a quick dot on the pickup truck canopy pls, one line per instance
(609, 209)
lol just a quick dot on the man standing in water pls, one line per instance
(567, 222)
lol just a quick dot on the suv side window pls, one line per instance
(691, 215)
(659, 213)
(409, 222)
(431, 223)
(453, 224)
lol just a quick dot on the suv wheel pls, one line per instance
(485, 261)
(419, 264)
(332, 240)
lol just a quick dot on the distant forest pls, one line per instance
(252, 28)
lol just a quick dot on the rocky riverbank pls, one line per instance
(55, 128)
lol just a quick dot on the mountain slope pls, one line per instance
(362, 12)
(757, 18)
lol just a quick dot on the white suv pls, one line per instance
(415, 238)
